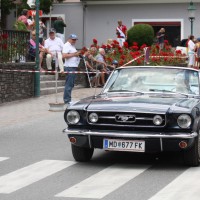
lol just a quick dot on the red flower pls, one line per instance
(95, 41)
(4, 36)
(120, 51)
(166, 42)
(126, 44)
(115, 42)
(123, 57)
(103, 46)
(84, 49)
(135, 48)
(143, 46)
(121, 62)
(135, 44)
(5, 46)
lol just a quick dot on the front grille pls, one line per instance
(127, 119)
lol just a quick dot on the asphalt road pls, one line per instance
(36, 164)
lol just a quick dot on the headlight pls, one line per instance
(157, 120)
(184, 121)
(73, 117)
(93, 117)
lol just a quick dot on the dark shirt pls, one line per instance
(59, 26)
(161, 39)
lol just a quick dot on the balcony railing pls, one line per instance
(14, 46)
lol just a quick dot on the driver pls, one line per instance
(182, 84)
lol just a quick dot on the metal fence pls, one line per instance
(14, 46)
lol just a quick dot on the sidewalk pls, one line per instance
(12, 113)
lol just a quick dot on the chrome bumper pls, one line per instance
(136, 134)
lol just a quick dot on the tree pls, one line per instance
(8, 5)
(142, 34)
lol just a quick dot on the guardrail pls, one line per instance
(14, 46)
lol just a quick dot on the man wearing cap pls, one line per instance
(72, 59)
(54, 47)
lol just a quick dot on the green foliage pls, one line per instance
(142, 34)
(20, 26)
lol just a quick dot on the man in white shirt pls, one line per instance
(191, 52)
(54, 47)
(72, 59)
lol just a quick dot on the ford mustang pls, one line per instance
(144, 109)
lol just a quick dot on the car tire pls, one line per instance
(192, 155)
(82, 154)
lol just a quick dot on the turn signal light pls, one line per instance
(72, 140)
(182, 144)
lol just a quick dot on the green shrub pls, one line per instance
(142, 34)
(20, 26)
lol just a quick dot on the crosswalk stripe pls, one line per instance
(25, 176)
(104, 182)
(184, 187)
(3, 158)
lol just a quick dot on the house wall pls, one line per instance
(100, 21)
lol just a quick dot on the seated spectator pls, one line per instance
(24, 17)
(54, 47)
(30, 23)
(113, 66)
(32, 49)
(101, 65)
(94, 77)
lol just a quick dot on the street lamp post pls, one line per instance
(191, 13)
(37, 75)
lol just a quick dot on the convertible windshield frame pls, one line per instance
(145, 79)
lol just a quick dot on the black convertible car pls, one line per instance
(140, 109)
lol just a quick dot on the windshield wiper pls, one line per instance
(158, 90)
(138, 92)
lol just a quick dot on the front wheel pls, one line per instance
(82, 154)
(192, 156)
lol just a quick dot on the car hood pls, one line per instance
(137, 103)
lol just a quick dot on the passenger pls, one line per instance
(182, 85)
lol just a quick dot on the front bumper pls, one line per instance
(154, 141)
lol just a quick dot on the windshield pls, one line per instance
(147, 79)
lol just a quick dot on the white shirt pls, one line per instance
(73, 61)
(191, 47)
(55, 45)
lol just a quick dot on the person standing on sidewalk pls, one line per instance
(121, 32)
(191, 51)
(161, 38)
(59, 27)
(72, 59)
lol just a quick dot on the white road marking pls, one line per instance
(184, 187)
(104, 182)
(3, 158)
(25, 176)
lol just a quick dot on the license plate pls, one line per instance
(124, 145)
